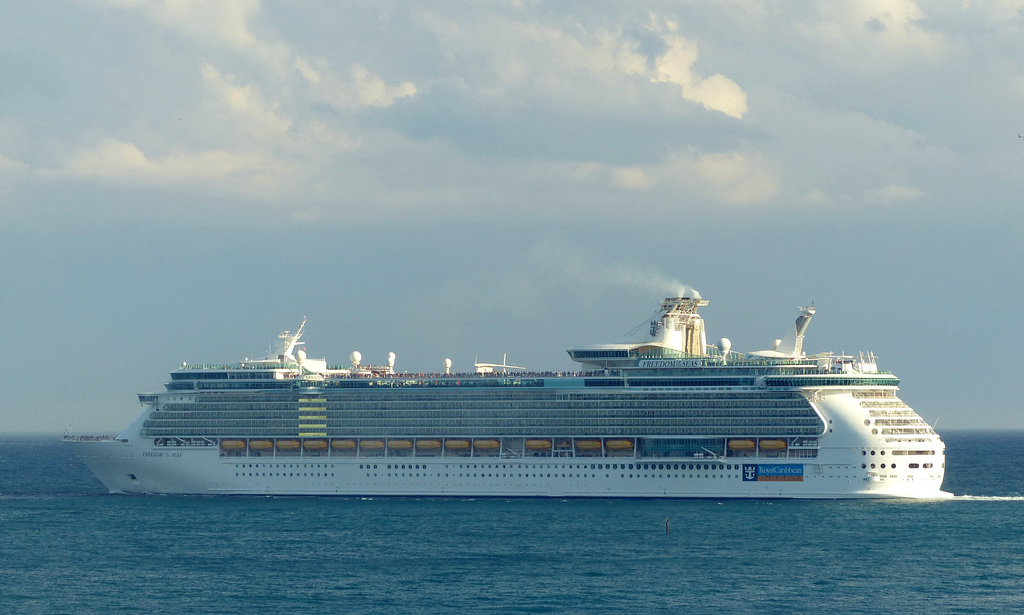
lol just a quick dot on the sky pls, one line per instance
(181, 180)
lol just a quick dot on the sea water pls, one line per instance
(66, 546)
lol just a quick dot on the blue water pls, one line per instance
(68, 547)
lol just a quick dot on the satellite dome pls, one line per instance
(356, 357)
(391, 359)
(725, 344)
(301, 354)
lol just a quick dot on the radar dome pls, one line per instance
(301, 355)
(356, 357)
(725, 344)
(447, 366)
(391, 359)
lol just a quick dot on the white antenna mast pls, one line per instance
(289, 341)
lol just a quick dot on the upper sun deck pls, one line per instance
(708, 374)
(671, 344)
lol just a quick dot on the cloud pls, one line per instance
(736, 178)
(675, 65)
(439, 109)
(874, 35)
(246, 100)
(891, 194)
(631, 178)
(733, 178)
(9, 164)
(220, 23)
(372, 91)
(228, 26)
(125, 162)
(567, 61)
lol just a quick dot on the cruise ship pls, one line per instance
(660, 413)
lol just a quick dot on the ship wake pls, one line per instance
(989, 498)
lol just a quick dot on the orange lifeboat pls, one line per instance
(399, 445)
(261, 445)
(371, 445)
(741, 445)
(538, 445)
(456, 445)
(486, 445)
(288, 445)
(772, 445)
(233, 445)
(619, 445)
(428, 445)
(343, 445)
(315, 445)
(588, 445)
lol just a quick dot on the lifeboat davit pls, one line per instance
(741, 445)
(399, 445)
(772, 445)
(619, 445)
(343, 445)
(261, 445)
(371, 445)
(288, 445)
(428, 445)
(538, 445)
(456, 445)
(486, 445)
(233, 445)
(315, 445)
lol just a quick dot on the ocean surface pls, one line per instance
(66, 546)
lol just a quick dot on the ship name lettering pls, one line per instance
(670, 363)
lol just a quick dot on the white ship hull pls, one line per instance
(139, 467)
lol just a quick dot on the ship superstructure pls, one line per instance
(658, 413)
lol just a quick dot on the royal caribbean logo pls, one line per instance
(773, 472)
